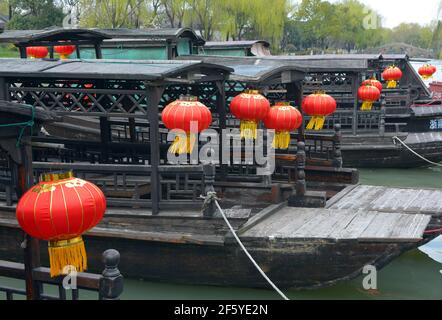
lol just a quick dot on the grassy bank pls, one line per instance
(8, 52)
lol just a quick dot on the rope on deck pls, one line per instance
(415, 153)
(211, 196)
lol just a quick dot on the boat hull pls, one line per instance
(295, 264)
(385, 154)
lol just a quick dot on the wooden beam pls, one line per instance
(154, 94)
(32, 246)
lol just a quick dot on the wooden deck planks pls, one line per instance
(333, 224)
(400, 200)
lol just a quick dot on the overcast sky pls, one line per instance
(395, 12)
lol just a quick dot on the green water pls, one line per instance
(414, 275)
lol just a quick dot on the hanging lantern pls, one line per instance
(373, 82)
(60, 209)
(283, 118)
(427, 71)
(37, 52)
(368, 94)
(179, 115)
(64, 51)
(250, 107)
(392, 75)
(318, 106)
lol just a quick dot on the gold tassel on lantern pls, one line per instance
(183, 144)
(316, 123)
(391, 84)
(66, 253)
(281, 140)
(249, 129)
(367, 106)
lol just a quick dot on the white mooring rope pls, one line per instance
(211, 196)
(415, 153)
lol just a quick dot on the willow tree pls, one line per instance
(175, 10)
(241, 19)
(203, 15)
(112, 13)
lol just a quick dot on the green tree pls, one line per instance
(35, 14)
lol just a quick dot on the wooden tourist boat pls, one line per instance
(300, 236)
(406, 112)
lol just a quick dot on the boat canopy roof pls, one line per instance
(234, 44)
(255, 70)
(172, 34)
(165, 71)
(256, 65)
(53, 35)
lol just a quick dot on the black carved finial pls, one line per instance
(337, 144)
(111, 282)
(209, 171)
(301, 187)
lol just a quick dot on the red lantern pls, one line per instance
(180, 115)
(373, 82)
(427, 71)
(318, 105)
(368, 94)
(37, 52)
(60, 209)
(64, 51)
(250, 107)
(283, 118)
(392, 75)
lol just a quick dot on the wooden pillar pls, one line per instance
(295, 93)
(4, 95)
(222, 113)
(169, 48)
(98, 52)
(354, 92)
(301, 185)
(154, 94)
(51, 52)
(337, 146)
(23, 54)
(31, 245)
(105, 132)
(132, 130)
(209, 172)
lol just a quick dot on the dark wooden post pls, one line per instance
(301, 186)
(31, 245)
(354, 92)
(132, 130)
(301, 197)
(98, 52)
(105, 132)
(382, 117)
(111, 282)
(295, 93)
(337, 147)
(3, 90)
(154, 94)
(209, 171)
(169, 48)
(77, 50)
(23, 54)
(222, 114)
(51, 52)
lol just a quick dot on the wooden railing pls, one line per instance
(108, 285)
